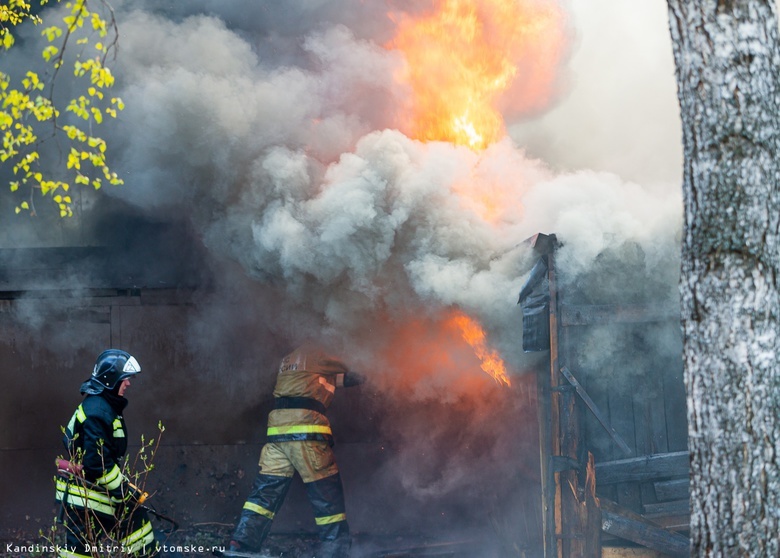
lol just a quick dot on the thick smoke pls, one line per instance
(273, 133)
(291, 166)
(271, 130)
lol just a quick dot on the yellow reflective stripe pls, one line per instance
(327, 520)
(298, 429)
(260, 510)
(118, 430)
(327, 385)
(79, 502)
(112, 479)
(136, 540)
(79, 415)
(79, 490)
(72, 424)
(95, 497)
(81, 497)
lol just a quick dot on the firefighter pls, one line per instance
(299, 439)
(96, 497)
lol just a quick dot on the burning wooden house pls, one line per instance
(612, 418)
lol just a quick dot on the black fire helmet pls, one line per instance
(111, 367)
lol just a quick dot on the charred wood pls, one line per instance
(644, 468)
(627, 525)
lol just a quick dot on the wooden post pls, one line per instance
(545, 460)
(571, 519)
(572, 529)
(590, 512)
(564, 523)
(572, 516)
(549, 430)
(554, 479)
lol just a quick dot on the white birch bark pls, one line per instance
(727, 56)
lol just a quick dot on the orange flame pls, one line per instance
(461, 58)
(474, 335)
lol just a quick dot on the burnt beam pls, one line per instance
(649, 467)
(627, 525)
(673, 508)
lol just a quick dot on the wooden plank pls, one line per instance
(595, 410)
(555, 525)
(581, 315)
(571, 539)
(675, 507)
(645, 396)
(623, 419)
(658, 442)
(672, 490)
(597, 442)
(590, 512)
(545, 460)
(643, 468)
(549, 441)
(633, 527)
(675, 405)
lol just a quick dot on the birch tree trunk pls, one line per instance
(727, 56)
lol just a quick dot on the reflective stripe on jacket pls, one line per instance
(308, 372)
(96, 439)
(73, 493)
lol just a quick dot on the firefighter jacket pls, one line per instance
(305, 387)
(96, 438)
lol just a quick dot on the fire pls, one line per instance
(468, 63)
(443, 355)
(474, 335)
(462, 57)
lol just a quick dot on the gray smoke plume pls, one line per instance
(271, 131)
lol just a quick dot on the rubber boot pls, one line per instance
(265, 499)
(327, 500)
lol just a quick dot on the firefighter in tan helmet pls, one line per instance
(299, 439)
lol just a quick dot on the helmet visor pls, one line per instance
(131, 366)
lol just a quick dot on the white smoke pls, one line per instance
(621, 113)
(288, 162)
(294, 169)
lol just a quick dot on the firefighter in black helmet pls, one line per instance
(299, 439)
(96, 496)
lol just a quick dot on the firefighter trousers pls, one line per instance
(315, 462)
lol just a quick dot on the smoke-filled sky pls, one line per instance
(277, 131)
